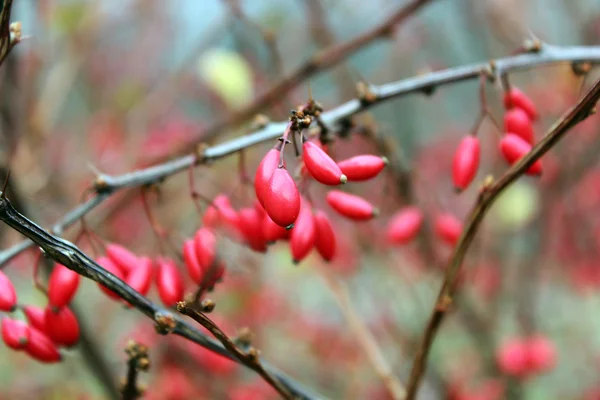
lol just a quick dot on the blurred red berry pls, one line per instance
(15, 333)
(123, 258)
(302, 239)
(40, 347)
(251, 227)
(192, 262)
(111, 267)
(169, 282)
(36, 317)
(321, 166)
(206, 247)
(363, 167)
(513, 148)
(541, 353)
(466, 162)
(62, 326)
(8, 295)
(351, 206)
(273, 232)
(62, 285)
(325, 241)
(517, 121)
(516, 98)
(512, 358)
(404, 225)
(448, 228)
(140, 278)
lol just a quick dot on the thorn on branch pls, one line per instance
(138, 361)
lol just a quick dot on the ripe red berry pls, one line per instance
(325, 241)
(264, 171)
(351, 206)
(62, 326)
(169, 282)
(363, 167)
(465, 162)
(541, 354)
(282, 199)
(517, 121)
(448, 228)
(211, 217)
(122, 257)
(62, 285)
(512, 358)
(206, 247)
(404, 225)
(516, 98)
(321, 166)
(15, 333)
(141, 277)
(251, 227)
(273, 232)
(41, 348)
(111, 267)
(36, 317)
(303, 236)
(228, 217)
(513, 148)
(8, 295)
(190, 258)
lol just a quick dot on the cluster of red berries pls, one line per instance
(48, 328)
(524, 357)
(288, 215)
(517, 141)
(406, 223)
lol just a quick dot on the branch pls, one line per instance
(137, 361)
(489, 193)
(10, 34)
(248, 358)
(69, 255)
(105, 185)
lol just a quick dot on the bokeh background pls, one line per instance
(111, 85)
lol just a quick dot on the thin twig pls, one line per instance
(486, 198)
(137, 361)
(105, 185)
(250, 358)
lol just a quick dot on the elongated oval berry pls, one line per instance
(228, 217)
(363, 167)
(512, 358)
(190, 258)
(122, 257)
(448, 228)
(516, 98)
(282, 199)
(62, 285)
(15, 333)
(273, 232)
(325, 241)
(111, 267)
(404, 225)
(40, 347)
(465, 162)
(541, 354)
(264, 171)
(517, 121)
(351, 206)
(62, 326)
(206, 247)
(8, 295)
(169, 282)
(211, 217)
(303, 236)
(513, 148)
(321, 166)
(140, 278)
(251, 227)
(36, 317)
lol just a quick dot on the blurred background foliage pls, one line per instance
(110, 85)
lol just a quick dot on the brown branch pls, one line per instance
(137, 361)
(486, 198)
(250, 358)
(10, 34)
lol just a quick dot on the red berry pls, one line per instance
(190, 258)
(321, 166)
(228, 217)
(273, 232)
(169, 282)
(251, 227)
(516, 98)
(466, 162)
(8, 295)
(62, 285)
(513, 148)
(303, 235)
(404, 225)
(264, 171)
(122, 257)
(448, 228)
(541, 353)
(512, 358)
(36, 317)
(141, 277)
(41, 348)
(15, 333)
(351, 206)
(517, 121)
(206, 247)
(282, 199)
(363, 167)
(111, 267)
(325, 241)
(211, 217)
(62, 326)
